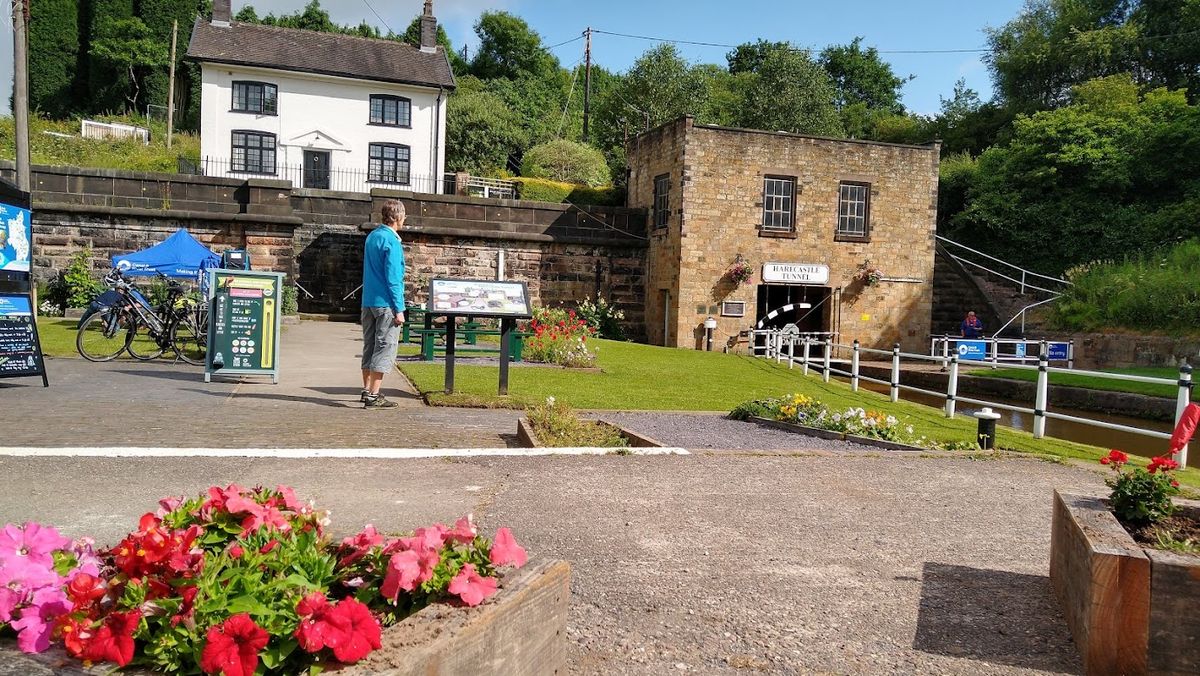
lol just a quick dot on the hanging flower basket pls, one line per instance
(740, 273)
(868, 274)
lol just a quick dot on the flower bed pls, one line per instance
(553, 424)
(235, 582)
(560, 337)
(803, 411)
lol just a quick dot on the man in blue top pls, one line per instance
(971, 326)
(382, 303)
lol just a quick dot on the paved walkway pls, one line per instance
(315, 404)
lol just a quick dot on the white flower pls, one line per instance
(550, 401)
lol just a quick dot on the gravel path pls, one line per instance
(700, 432)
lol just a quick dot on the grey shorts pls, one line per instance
(381, 337)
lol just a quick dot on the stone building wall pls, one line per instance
(722, 202)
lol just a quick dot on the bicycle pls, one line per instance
(179, 324)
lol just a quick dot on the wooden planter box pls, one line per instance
(835, 436)
(1130, 610)
(521, 631)
(528, 439)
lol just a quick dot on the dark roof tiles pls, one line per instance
(324, 53)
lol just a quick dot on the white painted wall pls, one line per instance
(320, 112)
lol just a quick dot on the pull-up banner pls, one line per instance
(20, 348)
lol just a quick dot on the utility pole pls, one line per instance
(587, 82)
(171, 87)
(21, 90)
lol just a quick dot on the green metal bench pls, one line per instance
(429, 346)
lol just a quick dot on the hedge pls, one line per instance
(542, 190)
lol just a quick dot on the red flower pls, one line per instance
(232, 647)
(113, 641)
(269, 547)
(84, 589)
(236, 551)
(1115, 457)
(471, 587)
(75, 635)
(505, 550)
(1161, 463)
(407, 569)
(186, 606)
(315, 632)
(360, 631)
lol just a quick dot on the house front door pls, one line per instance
(316, 169)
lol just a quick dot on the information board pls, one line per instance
(1058, 351)
(20, 349)
(243, 325)
(479, 298)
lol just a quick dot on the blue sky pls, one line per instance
(885, 24)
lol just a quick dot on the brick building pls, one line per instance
(805, 213)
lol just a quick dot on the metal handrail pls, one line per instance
(1021, 314)
(990, 271)
(1002, 262)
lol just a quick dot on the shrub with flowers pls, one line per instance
(604, 318)
(1141, 497)
(560, 337)
(804, 410)
(236, 581)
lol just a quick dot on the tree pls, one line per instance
(661, 86)
(412, 35)
(789, 92)
(749, 57)
(481, 131)
(566, 161)
(53, 55)
(862, 76)
(509, 48)
(129, 46)
(1169, 45)
(107, 85)
(158, 15)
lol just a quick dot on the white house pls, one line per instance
(323, 110)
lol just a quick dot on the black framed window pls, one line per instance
(854, 210)
(388, 163)
(253, 152)
(391, 111)
(779, 203)
(662, 201)
(255, 97)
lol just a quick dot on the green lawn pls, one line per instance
(57, 336)
(1095, 383)
(641, 377)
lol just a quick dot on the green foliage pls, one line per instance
(604, 318)
(290, 305)
(75, 286)
(53, 55)
(557, 425)
(956, 174)
(110, 154)
(1140, 497)
(412, 35)
(481, 131)
(757, 408)
(128, 46)
(862, 76)
(567, 162)
(789, 92)
(509, 48)
(541, 190)
(1112, 173)
(1149, 291)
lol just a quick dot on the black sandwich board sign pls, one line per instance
(478, 299)
(244, 310)
(20, 349)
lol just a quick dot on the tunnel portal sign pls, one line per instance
(795, 273)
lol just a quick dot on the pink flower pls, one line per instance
(471, 587)
(168, 505)
(32, 541)
(37, 619)
(505, 550)
(269, 547)
(236, 551)
(407, 569)
(464, 531)
(369, 537)
(290, 501)
(9, 599)
(20, 572)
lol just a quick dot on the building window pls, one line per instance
(662, 206)
(255, 97)
(391, 111)
(253, 152)
(854, 210)
(388, 163)
(779, 203)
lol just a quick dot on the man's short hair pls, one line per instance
(393, 210)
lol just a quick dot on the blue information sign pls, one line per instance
(974, 350)
(1058, 351)
(16, 234)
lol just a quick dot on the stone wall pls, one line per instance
(564, 253)
(721, 201)
(1124, 350)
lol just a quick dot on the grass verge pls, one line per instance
(57, 336)
(1094, 382)
(642, 377)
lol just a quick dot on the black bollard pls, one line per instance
(985, 435)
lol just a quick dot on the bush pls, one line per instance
(290, 305)
(558, 426)
(75, 286)
(603, 317)
(566, 161)
(559, 337)
(1153, 291)
(542, 190)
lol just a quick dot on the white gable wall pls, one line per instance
(325, 113)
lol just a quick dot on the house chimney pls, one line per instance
(428, 29)
(222, 14)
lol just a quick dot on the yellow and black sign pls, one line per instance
(243, 325)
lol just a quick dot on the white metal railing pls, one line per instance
(493, 188)
(1000, 350)
(1024, 278)
(775, 342)
(106, 130)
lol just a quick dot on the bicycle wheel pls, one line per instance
(103, 336)
(189, 342)
(142, 344)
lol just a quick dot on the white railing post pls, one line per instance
(804, 355)
(1043, 392)
(952, 387)
(995, 351)
(1070, 354)
(828, 349)
(1022, 285)
(854, 368)
(1181, 404)
(791, 353)
(896, 372)
(945, 352)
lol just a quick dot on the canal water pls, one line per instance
(1061, 429)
